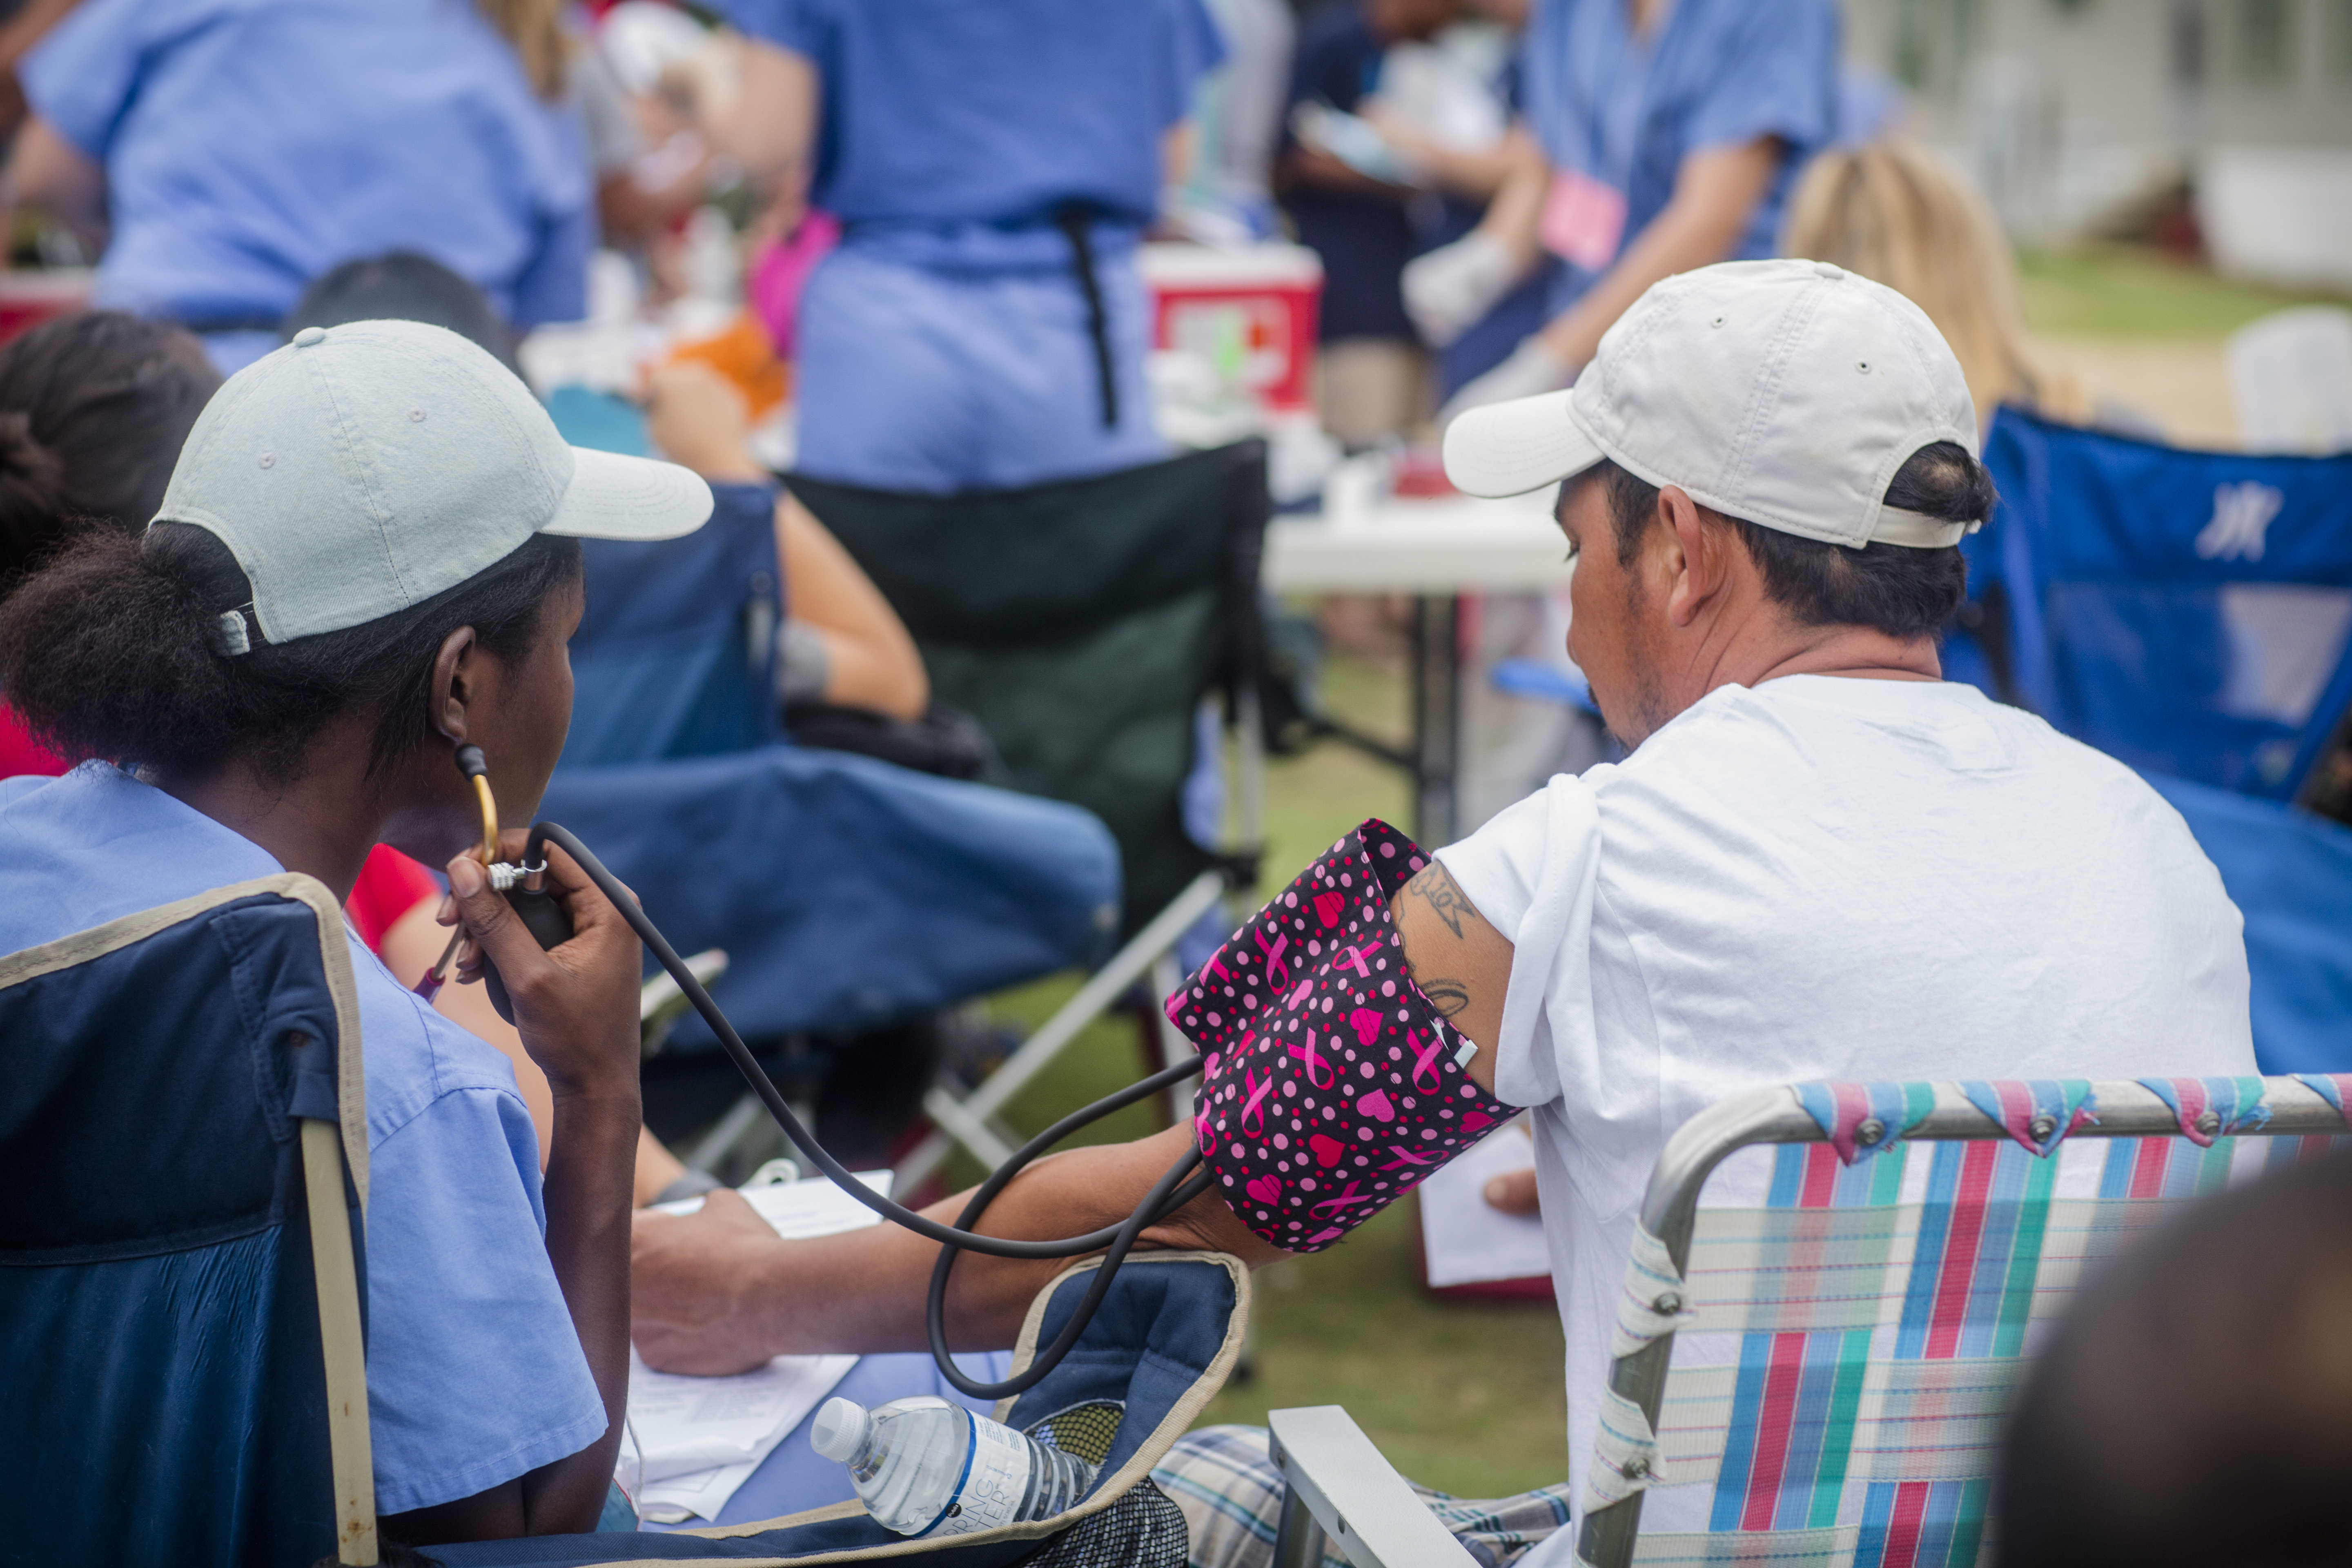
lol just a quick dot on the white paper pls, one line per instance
(1467, 1239)
(697, 1439)
(701, 1437)
(813, 1206)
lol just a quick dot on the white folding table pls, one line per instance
(1436, 550)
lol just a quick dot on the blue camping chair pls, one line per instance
(2290, 874)
(846, 892)
(183, 1142)
(675, 654)
(2187, 612)
(1168, 1334)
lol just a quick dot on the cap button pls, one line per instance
(1820, 269)
(309, 335)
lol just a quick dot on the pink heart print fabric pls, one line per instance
(1331, 1086)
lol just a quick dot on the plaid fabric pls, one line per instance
(1231, 1496)
(1141, 1529)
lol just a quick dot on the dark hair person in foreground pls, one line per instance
(2194, 1406)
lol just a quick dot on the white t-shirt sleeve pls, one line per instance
(1531, 872)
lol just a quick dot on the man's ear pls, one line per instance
(1690, 556)
(456, 675)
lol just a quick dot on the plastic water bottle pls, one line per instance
(924, 1466)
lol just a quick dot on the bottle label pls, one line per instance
(995, 1482)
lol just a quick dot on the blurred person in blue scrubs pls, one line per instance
(1656, 136)
(1226, 194)
(227, 152)
(982, 324)
(1365, 218)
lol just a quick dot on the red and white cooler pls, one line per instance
(1248, 313)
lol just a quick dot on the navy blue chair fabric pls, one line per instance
(675, 654)
(846, 892)
(163, 1398)
(1166, 1336)
(2187, 612)
(2290, 874)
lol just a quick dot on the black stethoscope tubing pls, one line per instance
(1164, 1199)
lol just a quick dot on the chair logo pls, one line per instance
(2242, 514)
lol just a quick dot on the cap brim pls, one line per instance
(1510, 448)
(616, 497)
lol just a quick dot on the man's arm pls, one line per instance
(1461, 963)
(48, 172)
(718, 1292)
(1716, 192)
(1514, 213)
(754, 103)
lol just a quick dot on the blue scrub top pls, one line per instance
(1363, 238)
(946, 346)
(475, 1373)
(944, 111)
(250, 145)
(1715, 73)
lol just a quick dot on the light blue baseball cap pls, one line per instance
(362, 469)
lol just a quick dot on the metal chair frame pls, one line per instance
(970, 1122)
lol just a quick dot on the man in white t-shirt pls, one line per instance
(1820, 861)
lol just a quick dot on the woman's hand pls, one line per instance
(691, 1310)
(575, 1003)
(699, 419)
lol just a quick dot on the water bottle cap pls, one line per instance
(839, 1429)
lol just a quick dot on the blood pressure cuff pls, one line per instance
(1331, 1087)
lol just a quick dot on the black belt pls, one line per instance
(1073, 221)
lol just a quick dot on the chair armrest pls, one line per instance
(1337, 1484)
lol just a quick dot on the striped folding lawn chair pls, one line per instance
(1819, 1382)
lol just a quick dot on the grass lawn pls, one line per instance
(1464, 1397)
(2147, 334)
(2118, 292)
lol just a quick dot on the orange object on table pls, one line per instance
(743, 354)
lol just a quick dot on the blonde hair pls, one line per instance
(535, 29)
(1894, 213)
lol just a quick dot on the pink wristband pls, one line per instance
(1332, 1086)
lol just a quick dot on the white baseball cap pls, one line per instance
(362, 469)
(1783, 393)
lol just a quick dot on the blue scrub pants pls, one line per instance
(938, 378)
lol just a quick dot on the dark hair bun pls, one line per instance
(93, 408)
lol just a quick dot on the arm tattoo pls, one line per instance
(1449, 997)
(1439, 891)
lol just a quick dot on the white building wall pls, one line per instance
(2068, 110)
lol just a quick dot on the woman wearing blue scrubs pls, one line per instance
(1656, 136)
(993, 166)
(230, 151)
(287, 661)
